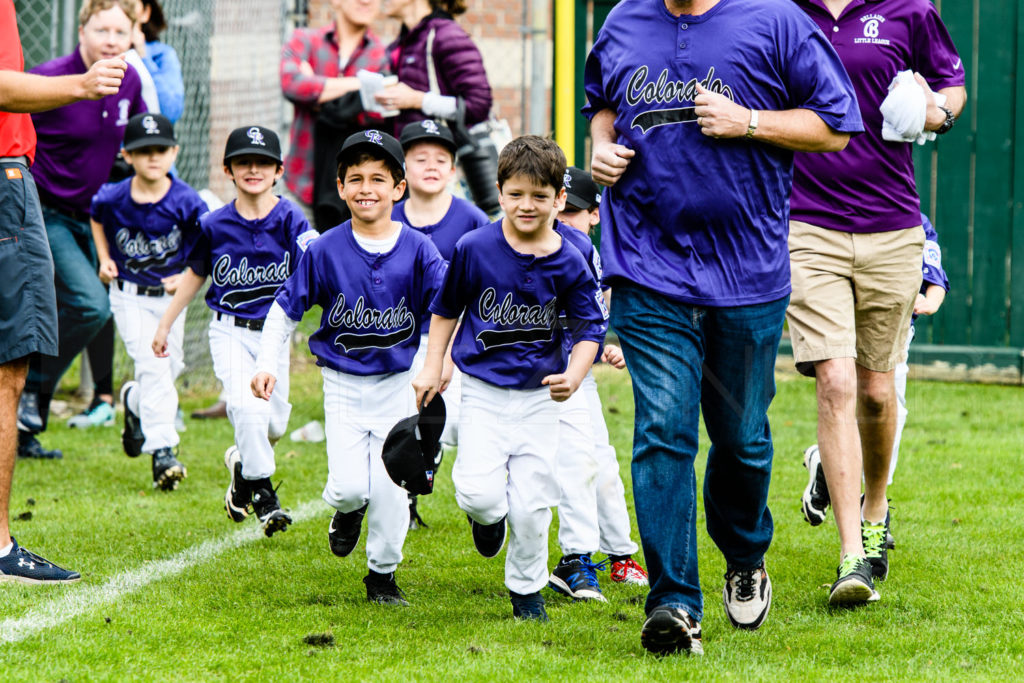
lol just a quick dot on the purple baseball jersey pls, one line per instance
(931, 269)
(582, 242)
(462, 217)
(148, 242)
(372, 304)
(249, 260)
(869, 186)
(700, 220)
(79, 142)
(510, 335)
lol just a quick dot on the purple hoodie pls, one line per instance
(457, 62)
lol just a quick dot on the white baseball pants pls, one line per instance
(506, 466)
(358, 414)
(136, 318)
(258, 424)
(900, 377)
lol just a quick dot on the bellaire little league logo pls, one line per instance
(256, 135)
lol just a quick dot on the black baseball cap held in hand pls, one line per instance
(581, 190)
(148, 130)
(377, 144)
(253, 140)
(428, 130)
(412, 451)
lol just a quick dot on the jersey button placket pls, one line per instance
(376, 276)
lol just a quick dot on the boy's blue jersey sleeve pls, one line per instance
(449, 301)
(300, 292)
(932, 272)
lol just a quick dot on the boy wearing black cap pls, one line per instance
(142, 227)
(248, 248)
(373, 278)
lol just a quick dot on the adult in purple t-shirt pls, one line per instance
(696, 107)
(855, 245)
(77, 145)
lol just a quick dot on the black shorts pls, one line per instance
(28, 301)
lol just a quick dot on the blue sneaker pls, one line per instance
(576, 576)
(98, 414)
(29, 419)
(529, 607)
(24, 566)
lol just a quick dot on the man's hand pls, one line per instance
(400, 96)
(262, 385)
(609, 162)
(933, 116)
(108, 271)
(718, 116)
(561, 386)
(103, 78)
(612, 355)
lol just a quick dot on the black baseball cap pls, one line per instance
(376, 143)
(581, 190)
(412, 451)
(253, 140)
(428, 130)
(148, 130)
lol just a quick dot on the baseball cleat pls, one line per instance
(815, 500)
(132, 437)
(528, 607)
(747, 596)
(488, 538)
(238, 496)
(167, 471)
(383, 590)
(268, 508)
(343, 534)
(628, 572)
(576, 576)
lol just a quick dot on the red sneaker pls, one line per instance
(629, 572)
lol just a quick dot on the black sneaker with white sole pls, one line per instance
(21, 565)
(384, 590)
(167, 471)
(576, 576)
(488, 538)
(815, 500)
(877, 543)
(528, 606)
(669, 630)
(267, 508)
(239, 495)
(854, 585)
(29, 447)
(132, 437)
(343, 533)
(747, 596)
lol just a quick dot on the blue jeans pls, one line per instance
(686, 359)
(83, 305)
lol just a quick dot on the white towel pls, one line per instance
(904, 110)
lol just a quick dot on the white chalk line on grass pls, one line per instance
(82, 599)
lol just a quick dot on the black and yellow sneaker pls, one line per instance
(877, 543)
(854, 585)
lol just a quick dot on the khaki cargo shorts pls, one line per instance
(853, 294)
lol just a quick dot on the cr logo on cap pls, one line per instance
(430, 127)
(567, 180)
(374, 136)
(151, 126)
(256, 136)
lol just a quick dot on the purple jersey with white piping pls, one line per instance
(248, 261)
(869, 186)
(148, 242)
(372, 304)
(510, 302)
(931, 269)
(581, 241)
(697, 219)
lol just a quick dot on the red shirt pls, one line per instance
(17, 135)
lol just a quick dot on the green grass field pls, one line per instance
(172, 589)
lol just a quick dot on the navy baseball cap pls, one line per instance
(148, 130)
(428, 130)
(412, 451)
(253, 140)
(377, 144)
(581, 190)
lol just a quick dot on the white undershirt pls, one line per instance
(381, 246)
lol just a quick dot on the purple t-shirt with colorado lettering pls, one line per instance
(148, 242)
(79, 142)
(510, 335)
(372, 303)
(248, 261)
(700, 220)
(869, 186)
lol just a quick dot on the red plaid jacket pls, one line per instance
(319, 47)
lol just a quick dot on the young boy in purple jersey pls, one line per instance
(509, 281)
(373, 278)
(143, 227)
(433, 210)
(592, 509)
(248, 248)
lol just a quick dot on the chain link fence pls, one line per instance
(229, 52)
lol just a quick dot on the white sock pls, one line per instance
(5, 551)
(133, 399)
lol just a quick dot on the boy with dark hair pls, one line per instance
(248, 247)
(373, 278)
(143, 227)
(509, 281)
